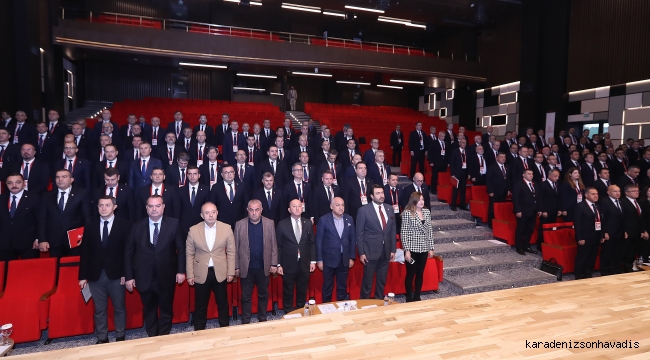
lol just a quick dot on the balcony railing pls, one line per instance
(223, 30)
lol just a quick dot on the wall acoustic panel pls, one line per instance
(636, 116)
(479, 112)
(637, 87)
(633, 100)
(491, 110)
(503, 109)
(631, 131)
(479, 103)
(508, 98)
(582, 95)
(646, 99)
(580, 117)
(595, 105)
(645, 131)
(616, 108)
(601, 116)
(616, 131)
(512, 108)
(602, 92)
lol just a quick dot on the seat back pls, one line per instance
(31, 277)
(479, 193)
(68, 275)
(2, 275)
(503, 211)
(559, 233)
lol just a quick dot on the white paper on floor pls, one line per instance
(497, 242)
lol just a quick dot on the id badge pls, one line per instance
(234, 148)
(154, 142)
(385, 181)
(482, 170)
(598, 226)
(421, 143)
(335, 182)
(464, 165)
(26, 185)
(303, 210)
(298, 255)
(251, 163)
(16, 139)
(399, 141)
(199, 162)
(579, 197)
(364, 200)
(442, 152)
(396, 209)
(0, 164)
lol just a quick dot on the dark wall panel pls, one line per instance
(608, 43)
(499, 48)
(7, 62)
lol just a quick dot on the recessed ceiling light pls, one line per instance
(364, 9)
(247, 88)
(257, 76)
(300, 7)
(310, 74)
(407, 81)
(279, 94)
(352, 82)
(390, 86)
(203, 65)
(256, 3)
(333, 13)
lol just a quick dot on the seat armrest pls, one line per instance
(48, 294)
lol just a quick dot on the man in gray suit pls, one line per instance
(376, 231)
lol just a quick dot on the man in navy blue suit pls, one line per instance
(336, 241)
(232, 142)
(369, 155)
(141, 170)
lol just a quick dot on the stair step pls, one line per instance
(471, 248)
(498, 280)
(449, 214)
(441, 237)
(452, 224)
(496, 261)
(437, 205)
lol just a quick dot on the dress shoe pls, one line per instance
(453, 208)
(529, 250)
(521, 252)
(464, 207)
(120, 338)
(102, 341)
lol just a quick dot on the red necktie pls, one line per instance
(638, 209)
(383, 219)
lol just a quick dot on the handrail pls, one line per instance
(172, 24)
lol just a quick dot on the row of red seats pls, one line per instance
(351, 44)
(128, 20)
(33, 300)
(560, 245)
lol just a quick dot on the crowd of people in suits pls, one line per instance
(163, 205)
(602, 188)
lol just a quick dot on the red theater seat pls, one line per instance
(69, 313)
(181, 303)
(479, 203)
(504, 224)
(26, 299)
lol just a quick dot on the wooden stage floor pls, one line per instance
(495, 324)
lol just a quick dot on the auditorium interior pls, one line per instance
(519, 124)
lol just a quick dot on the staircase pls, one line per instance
(298, 117)
(90, 108)
(473, 261)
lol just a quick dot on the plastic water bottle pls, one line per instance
(385, 300)
(306, 310)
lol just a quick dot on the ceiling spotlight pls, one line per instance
(407, 81)
(300, 7)
(310, 74)
(203, 65)
(390, 86)
(364, 9)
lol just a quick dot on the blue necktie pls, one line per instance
(268, 197)
(299, 192)
(62, 200)
(26, 172)
(12, 210)
(156, 233)
(304, 170)
(193, 198)
(232, 193)
(144, 168)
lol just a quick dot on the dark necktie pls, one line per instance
(110, 191)
(532, 189)
(136, 154)
(182, 180)
(12, 210)
(211, 172)
(554, 188)
(144, 168)
(232, 193)
(618, 206)
(193, 197)
(363, 187)
(329, 194)
(70, 165)
(305, 173)
(40, 141)
(638, 209)
(105, 233)
(607, 182)
(110, 164)
(393, 195)
(281, 156)
(503, 171)
(62, 201)
(333, 170)
(156, 233)
(241, 173)
(268, 197)
(2, 150)
(299, 192)
(178, 129)
(187, 145)
(383, 219)
(26, 171)
(156, 192)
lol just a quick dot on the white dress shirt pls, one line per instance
(151, 228)
(210, 236)
(380, 208)
(67, 196)
(110, 226)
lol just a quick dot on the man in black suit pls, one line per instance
(156, 135)
(549, 203)
(512, 154)
(491, 152)
(245, 172)
(320, 156)
(335, 168)
(489, 131)
(603, 183)
(589, 173)
(498, 184)
(629, 177)
(274, 166)
(223, 128)
(54, 128)
(108, 129)
(520, 163)
(192, 197)
(613, 251)
(177, 125)
(36, 173)
(459, 170)
(309, 173)
(19, 221)
(507, 142)
(634, 226)
(176, 175)
(417, 148)
(418, 185)
(186, 142)
(526, 209)
(300, 190)
(392, 197)
(98, 127)
(272, 199)
(101, 267)
(231, 197)
(78, 167)
(133, 154)
(82, 141)
(376, 237)
(232, 142)
(301, 146)
(207, 129)
(284, 154)
(146, 129)
(477, 166)
(397, 144)
(539, 172)
(168, 152)
(268, 136)
(9, 153)
(24, 132)
(379, 171)
(450, 138)
(45, 143)
(64, 208)
(126, 130)
(357, 190)
(587, 220)
(253, 153)
(112, 161)
(438, 159)
(296, 255)
(154, 262)
(346, 157)
(123, 194)
(323, 194)
(210, 170)
(157, 187)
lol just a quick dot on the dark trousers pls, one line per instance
(418, 159)
(524, 230)
(254, 278)
(158, 298)
(609, 257)
(63, 250)
(341, 274)
(494, 199)
(380, 267)
(434, 179)
(15, 254)
(586, 258)
(622, 255)
(416, 271)
(397, 156)
(551, 218)
(102, 290)
(297, 280)
(461, 189)
(202, 298)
